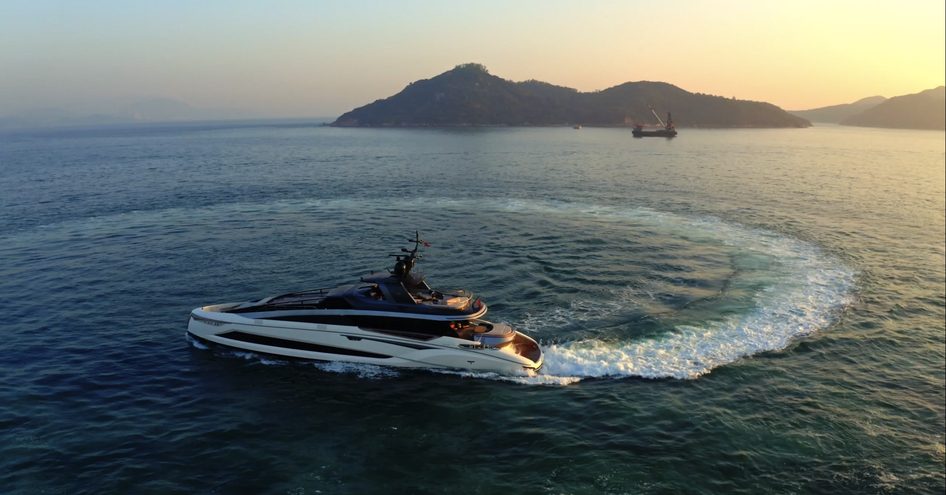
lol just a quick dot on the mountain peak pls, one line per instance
(937, 92)
(836, 113)
(923, 110)
(870, 100)
(470, 67)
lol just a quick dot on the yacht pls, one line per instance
(388, 318)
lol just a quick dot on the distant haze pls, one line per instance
(307, 58)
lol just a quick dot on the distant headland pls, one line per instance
(468, 95)
(923, 110)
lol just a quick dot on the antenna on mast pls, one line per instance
(405, 262)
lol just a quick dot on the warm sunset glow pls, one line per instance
(323, 58)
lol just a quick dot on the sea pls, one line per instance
(730, 311)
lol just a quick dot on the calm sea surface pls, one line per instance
(739, 311)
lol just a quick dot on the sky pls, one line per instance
(322, 58)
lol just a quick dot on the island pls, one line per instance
(468, 95)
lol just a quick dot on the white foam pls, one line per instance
(194, 342)
(528, 378)
(807, 293)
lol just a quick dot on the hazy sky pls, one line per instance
(311, 58)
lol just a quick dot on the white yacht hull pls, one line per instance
(328, 342)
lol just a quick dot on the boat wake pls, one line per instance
(796, 289)
(804, 292)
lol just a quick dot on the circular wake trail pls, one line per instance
(807, 292)
(799, 290)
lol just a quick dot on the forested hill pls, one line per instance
(836, 113)
(470, 95)
(923, 110)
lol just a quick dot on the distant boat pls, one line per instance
(666, 130)
(577, 126)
